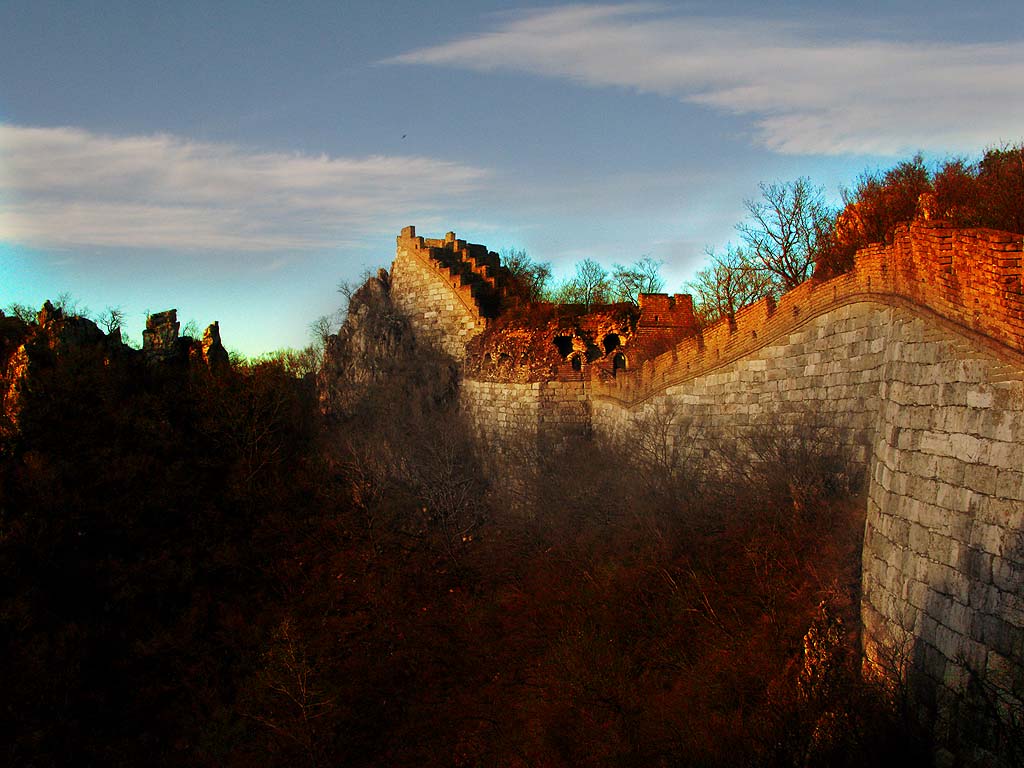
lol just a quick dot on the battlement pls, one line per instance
(969, 277)
(474, 273)
(450, 289)
(660, 309)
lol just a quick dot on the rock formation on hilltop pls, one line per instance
(27, 348)
(376, 347)
(161, 343)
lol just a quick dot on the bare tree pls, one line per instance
(729, 283)
(321, 329)
(295, 362)
(642, 276)
(590, 285)
(191, 329)
(784, 230)
(294, 702)
(23, 312)
(530, 278)
(348, 288)
(662, 444)
(111, 319)
(448, 491)
(70, 305)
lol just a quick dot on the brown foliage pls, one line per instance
(988, 193)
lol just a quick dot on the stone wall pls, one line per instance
(446, 288)
(943, 576)
(915, 358)
(827, 370)
(517, 423)
(531, 417)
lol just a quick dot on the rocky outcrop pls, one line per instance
(212, 351)
(161, 343)
(160, 339)
(375, 346)
(26, 348)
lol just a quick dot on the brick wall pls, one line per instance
(440, 301)
(971, 277)
(915, 358)
(943, 576)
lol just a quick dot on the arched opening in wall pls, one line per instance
(504, 359)
(563, 344)
(577, 363)
(611, 343)
(487, 359)
(618, 363)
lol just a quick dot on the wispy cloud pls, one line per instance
(806, 91)
(70, 187)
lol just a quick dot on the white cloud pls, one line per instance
(70, 187)
(805, 95)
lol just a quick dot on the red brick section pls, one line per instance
(971, 277)
(664, 320)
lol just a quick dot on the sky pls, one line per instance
(237, 160)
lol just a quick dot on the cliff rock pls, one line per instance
(375, 347)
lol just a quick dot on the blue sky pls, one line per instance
(236, 160)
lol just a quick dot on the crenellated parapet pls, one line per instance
(448, 288)
(473, 272)
(969, 277)
(455, 290)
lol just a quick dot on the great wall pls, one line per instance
(915, 356)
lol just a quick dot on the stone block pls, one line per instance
(980, 478)
(918, 538)
(1004, 673)
(937, 444)
(968, 448)
(959, 619)
(982, 598)
(1010, 485)
(1005, 455)
(1004, 426)
(980, 398)
(987, 538)
(1011, 608)
(947, 642)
